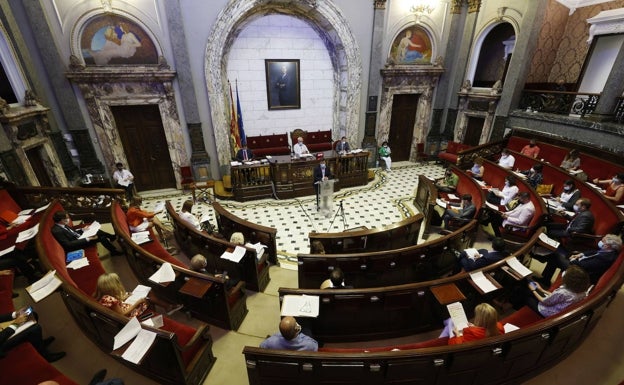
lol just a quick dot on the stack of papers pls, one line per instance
(27, 234)
(141, 237)
(482, 282)
(235, 163)
(472, 253)
(259, 247)
(21, 219)
(356, 151)
(453, 197)
(91, 230)
(78, 263)
(139, 292)
(458, 315)
(42, 208)
(164, 274)
(160, 207)
(548, 240)
(518, 267)
(144, 339)
(25, 212)
(574, 172)
(236, 255)
(44, 287)
(300, 305)
(510, 327)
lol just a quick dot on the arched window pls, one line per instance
(12, 86)
(494, 56)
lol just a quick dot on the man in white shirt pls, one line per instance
(300, 148)
(124, 180)
(506, 160)
(520, 216)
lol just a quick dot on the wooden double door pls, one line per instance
(145, 145)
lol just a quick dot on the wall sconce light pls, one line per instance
(421, 8)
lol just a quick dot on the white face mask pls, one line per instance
(576, 208)
(506, 184)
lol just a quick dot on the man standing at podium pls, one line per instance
(321, 174)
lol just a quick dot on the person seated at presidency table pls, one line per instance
(571, 161)
(482, 257)
(582, 222)
(32, 334)
(504, 196)
(466, 210)
(477, 169)
(506, 160)
(290, 337)
(531, 149)
(520, 216)
(485, 324)
(448, 183)
(615, 188)
(300, 148)
(534, 175)
(321, 173)
(574, 285)
(343, 146)
(244, 154)
(594, 262)
(70, 239)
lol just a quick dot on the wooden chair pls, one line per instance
(187, 177)
(421, 155)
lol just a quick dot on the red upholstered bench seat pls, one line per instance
(452, 149)
(264, 145)
(319, 141)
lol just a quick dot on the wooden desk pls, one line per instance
(448, 293)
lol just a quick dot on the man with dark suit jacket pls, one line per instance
(483, 257)
(244, 154)
(32, 334)
(342, 147)
(583, 222)
(70, 239)
(321, 173)
(466, 210)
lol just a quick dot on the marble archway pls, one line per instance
(325, 18)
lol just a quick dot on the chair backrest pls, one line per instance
(187, 174)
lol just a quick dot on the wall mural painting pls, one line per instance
(115, 40)
(411, 46)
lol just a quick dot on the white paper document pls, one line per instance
(160, 207)
(548, 240)
(155, 322)
(458, 315)
(128, 332)
(472, 253)
(91, 230)
(259, 247)
(164, 274)
(7, 251)
(519, 175)
(235, 163)
(440, 203)
(78, 263)
(141, 237)
(42, 208)
(139, 292)
(519, 267)
(482, 282)
(236, 255)
(139, 346)
(25, 212)
(453, 197)
(44, 287)
(23, 327)
(27, 234)
(510, 328)
(493, 207)
(300, 305)
(21, 219)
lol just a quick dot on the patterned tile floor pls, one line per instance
(385, 200)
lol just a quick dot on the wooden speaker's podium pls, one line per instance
(326, 197)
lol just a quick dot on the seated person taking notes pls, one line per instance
(448, 183)
(470, 260)
(300, 148)
(582, 222)
(466, 210)
(520, 216)
(70, 238)
(506, 160)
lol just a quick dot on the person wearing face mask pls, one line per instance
(506, 160)
(569, 195)
(448, 183)
(594, 262)
(300, 148)
(615, 188)
(384, 154)
(521, 215)
(530, 149)
(534, 175)
(582, 222)
(571, 161)
(343, 146)
(321, 173)
(502, 197)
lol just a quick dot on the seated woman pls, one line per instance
(141, 220)
(237, 238)
(569, 195)
(615, 188)
(504, 196)
(575, 282)
(571, 161)
(111, 293)
(186, 214)
(485, 325)
(477, 169)
(534, 175)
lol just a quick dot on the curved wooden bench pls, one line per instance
(229, 223)
(509, 358)
(180, 354)
(392, 236)
(205, 296)
(253, 270)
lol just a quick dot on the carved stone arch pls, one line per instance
(325, 18)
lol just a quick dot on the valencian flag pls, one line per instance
(235, 141)
(241, 131)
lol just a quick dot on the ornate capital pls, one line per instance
(456, 6)
(474, 6)
(380, 4)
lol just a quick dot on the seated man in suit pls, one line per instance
(466, 210)
(290, 337)
(582, 222)
(70, 239)
(595, 263)
(343, 146)
(321, 173)
(483, 257)
(244, 154)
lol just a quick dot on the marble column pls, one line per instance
(377, 59)
(611, 91)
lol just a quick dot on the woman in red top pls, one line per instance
(615, 188)
(141, 220)
(485, 325)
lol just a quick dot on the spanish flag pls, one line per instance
(235, 141)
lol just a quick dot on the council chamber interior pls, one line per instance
(173, 90)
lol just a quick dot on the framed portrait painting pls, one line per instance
(282, 80)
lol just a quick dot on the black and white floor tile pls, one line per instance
(385, 200)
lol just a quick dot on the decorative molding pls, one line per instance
(572, 5)
(456, 6)
(380, 4)
(474, 6)
(606, 22)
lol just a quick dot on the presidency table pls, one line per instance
(289, 178)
